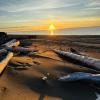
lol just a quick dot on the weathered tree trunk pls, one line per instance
(20, 49)
(81, 76)
(93, 62)
(12, 43)
(5, 61)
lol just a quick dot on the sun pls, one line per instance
(52, 28)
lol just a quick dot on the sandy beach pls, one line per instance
(18, 83)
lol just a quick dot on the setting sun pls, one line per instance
(51, 28)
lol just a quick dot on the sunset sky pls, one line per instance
(29, 15)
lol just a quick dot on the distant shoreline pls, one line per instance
(52, 37)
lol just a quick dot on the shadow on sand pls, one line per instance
(64, 90)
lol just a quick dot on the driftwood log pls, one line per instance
(13, 47)
(20, 49)
(5, 61)
(76, 76)
(91, 62)
(12, 43)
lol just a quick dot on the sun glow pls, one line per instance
(51, 28)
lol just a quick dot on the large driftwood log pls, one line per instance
(12, 43)
(92, 62)
(5, 61)
(20, 49)
(81, 76)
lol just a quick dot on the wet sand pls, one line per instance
(27, 84)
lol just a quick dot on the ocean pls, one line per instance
(70, 31)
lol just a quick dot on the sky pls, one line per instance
(29, 15)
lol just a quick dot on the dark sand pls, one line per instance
(26, 84)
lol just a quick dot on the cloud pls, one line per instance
(29, 5)
(93, 8)
(36, 9)
(93, 5)
(16, 6)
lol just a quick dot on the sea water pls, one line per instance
(66, 31)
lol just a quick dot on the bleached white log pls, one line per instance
(80, 76)
(12, 43)
(93, 62)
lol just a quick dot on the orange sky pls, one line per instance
(29, 15)
(58, 23)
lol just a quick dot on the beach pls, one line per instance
(18, 83)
